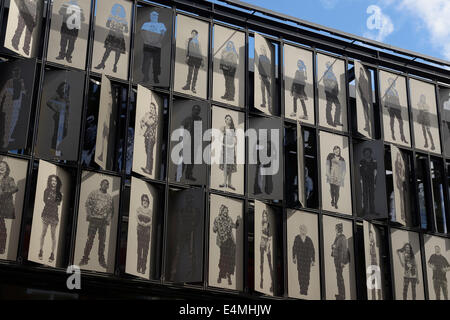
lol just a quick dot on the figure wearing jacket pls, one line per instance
(152, 33)
(304, 256)
(194, 60)
(392, 103)
(7, 189)
(264, 69)
(72, 17)
(331, 87)
(99, 212)
(335, 174)
(341, 255)
(228, 65)
(99, 206)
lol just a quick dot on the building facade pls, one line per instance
(331, 178)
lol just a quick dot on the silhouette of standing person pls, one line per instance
(8, 188)
(115, 40)
(264, 149)
(188, 125)
(229, 64)
(341, 255)
(72, 17)
(423, 118)
(152, 34)
(60, 106)
(368, 178)
(264, 69)
(27, 19)
(298, 89)
(400, 174)
(304, 256)
(265, 247)
(408, 262)
(143, 230)
(52, 200)
(331, 95)
(11, 97)
(335, 174)
(223, 225)
(228, 155)
(440, 266)
(99, 212)
(366, 97)
(194, 60)
(148, 125)
(392, 103)
(188, 219)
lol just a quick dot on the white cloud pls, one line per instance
(379, 25)
(435, 14)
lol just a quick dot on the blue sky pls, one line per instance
(418, 25)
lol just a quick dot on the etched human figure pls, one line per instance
(264, 150)
(331, 87)
(27, 20)
(408, 262)
(188, 218)
(365, 93)
(152, 33)
(228, 152)
(304, 256)
(265, 247)
(423, 118)
(11, 97)
(264, 69)
(188, 125)
(148, 126)
(8, 188)
(50, 217)
(115, 40)
(60, 105)
(400, 174)
(392, 103)
(99, 212)
(440, 266)
(368, 179)
(72, 18)
(223, 225)
(194, 60)
(335, 173)
(341, 255)
(298, 89)
(143, 230)
(228, 64)
(376, 292)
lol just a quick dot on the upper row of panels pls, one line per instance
(152, 64)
